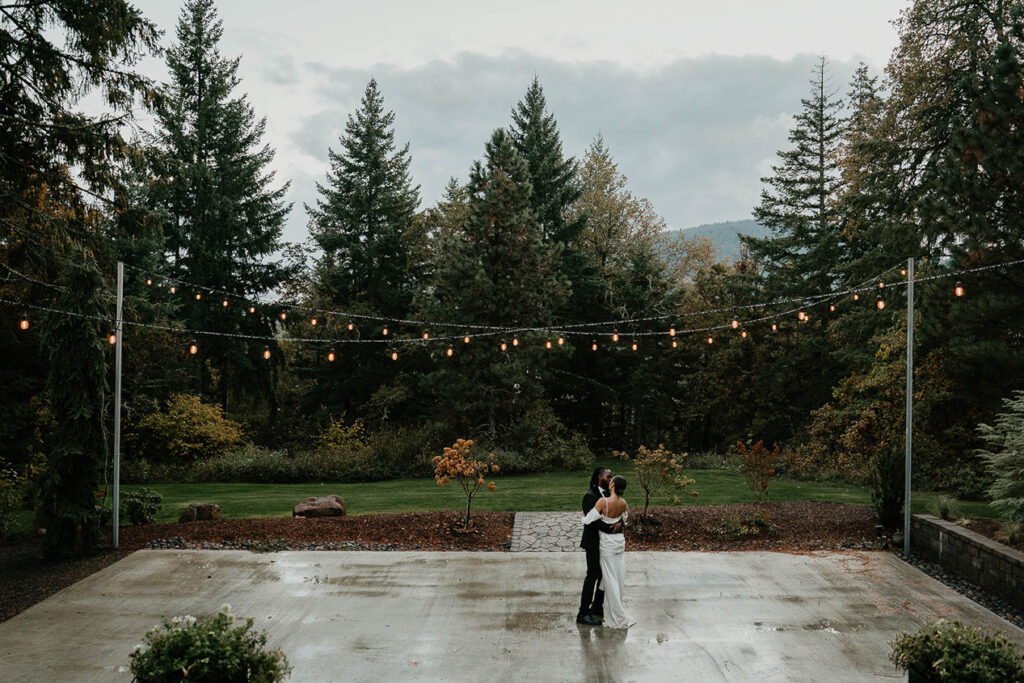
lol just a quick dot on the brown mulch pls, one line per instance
(25, 579)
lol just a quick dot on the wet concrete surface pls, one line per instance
(366, 616)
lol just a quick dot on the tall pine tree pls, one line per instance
(362, 222)
(224, 217)
(798, 204)
(498, 271)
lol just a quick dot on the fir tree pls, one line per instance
(363, 223)
(77, 384)
(496, 271)
(363, 213)
(224, 218)
(798, 204)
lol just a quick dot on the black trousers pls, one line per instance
(592, 599)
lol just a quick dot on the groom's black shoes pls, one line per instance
(588, 619)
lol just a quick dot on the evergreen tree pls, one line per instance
(77, 385)
(224, 216)
(802, 254)
(363, 221)
(497, 272)
(798, 204)
(363, 213)
(53, 53)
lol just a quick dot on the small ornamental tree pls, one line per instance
(656, 470)
(758, 467)
(456, 464)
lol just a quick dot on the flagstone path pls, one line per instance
(546, 532)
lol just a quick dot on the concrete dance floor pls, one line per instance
(385, 616)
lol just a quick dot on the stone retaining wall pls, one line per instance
(991, 565)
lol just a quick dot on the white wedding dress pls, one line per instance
(613, 571)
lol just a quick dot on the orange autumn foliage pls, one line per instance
(457, 464)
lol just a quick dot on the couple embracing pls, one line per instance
(605, 513)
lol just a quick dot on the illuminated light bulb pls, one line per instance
(743, 334)
(634, 347)
(903, 271)
(675, 344)
(384, 332)
(711, 340)
(173, 289)
(24, 322)
(465, 340)
(807, 317)
(856, 297)
(775, 327)
(266, 353)
(881, 284)
(593, 345)
(351, 326)
(149, 281)
(450, 352)
(394, 355)
(252, 309)
(959, 289)
(330, 355)
(313, 322)
(547, 344)
(615, 336)
(880, 303)
(112, 338)
(515, 341)
(735, 322)
(832, 308)
(561, 341)
(801, 315)
(284, 315)
(224, 303)
(672, 331)
(504, 346)
(193, 348)
(426, 335)
(198, 296)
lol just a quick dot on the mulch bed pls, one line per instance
(25, 579)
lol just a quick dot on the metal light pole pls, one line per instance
(909, 440)
(117, 405)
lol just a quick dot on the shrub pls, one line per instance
(1005, 459)
(187, 430)
(888, 486)
(758, 464)
(969, 484)
(1011, 533)
(207, 649)
(951, 651)
(141, 505)
(657, 469)
(737, 527)
(455, 464)
(341, 436)
(11, 488)
(945, 507)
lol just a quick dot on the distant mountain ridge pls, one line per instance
(725, 235)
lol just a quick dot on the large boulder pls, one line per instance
(196, 512)
(324, 506)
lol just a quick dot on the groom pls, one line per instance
(592, 599)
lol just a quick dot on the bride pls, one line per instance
(613, 546)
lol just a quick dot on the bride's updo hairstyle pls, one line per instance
(620, 484)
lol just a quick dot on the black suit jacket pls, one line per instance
(590, 537)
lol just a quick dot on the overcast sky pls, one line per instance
(693, 98)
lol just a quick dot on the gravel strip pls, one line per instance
(993, 603)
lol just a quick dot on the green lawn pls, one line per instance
(547, 491)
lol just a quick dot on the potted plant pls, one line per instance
(951, 651)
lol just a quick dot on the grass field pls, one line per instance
(547, 491)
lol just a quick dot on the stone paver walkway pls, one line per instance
(546, 532)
